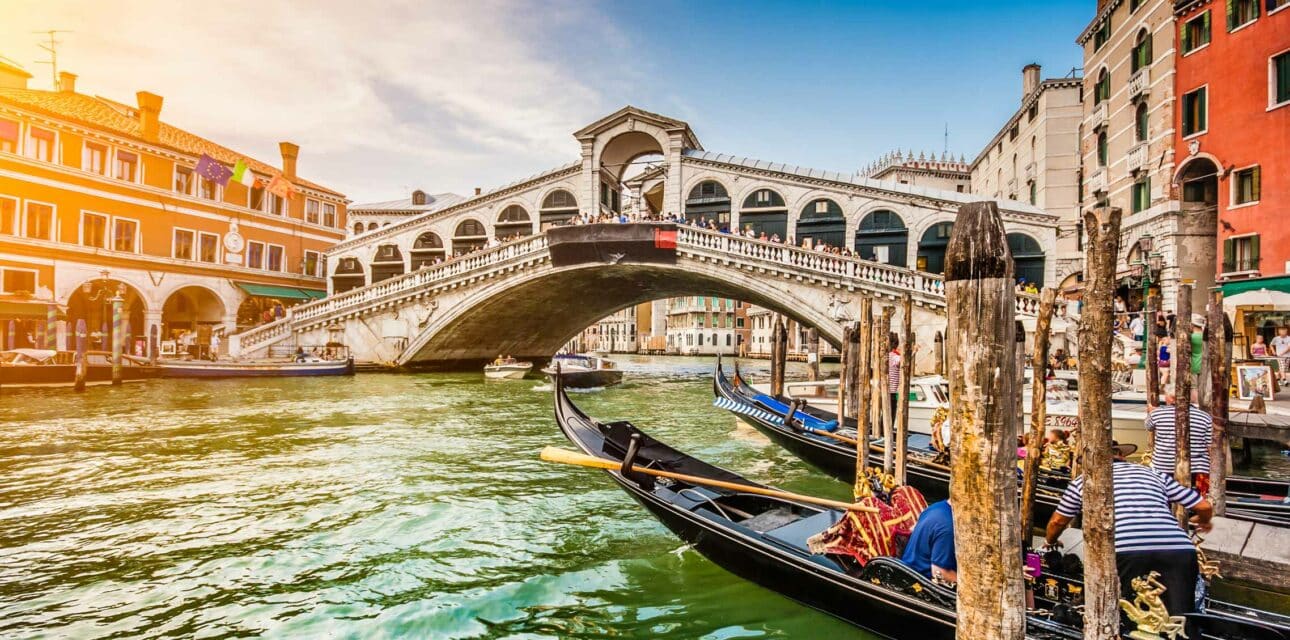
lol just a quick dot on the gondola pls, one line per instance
(763, 539)
(1252, 499)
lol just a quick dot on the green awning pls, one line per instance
(1276, 283)
(275, 291)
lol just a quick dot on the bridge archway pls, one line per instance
(349, 274)
(427, 249)
(513, 222)
(708, 199)
(882, 236)
(822, 222)
(764, 211)
(1027, 258)
(469, 236)
(387, 264)
(931, 247)
(558, 207)
(92, 302)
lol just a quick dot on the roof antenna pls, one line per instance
(946, 148)
(52, 48)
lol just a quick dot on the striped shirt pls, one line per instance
(893, 372)
(1143, 521)
(1165, 454)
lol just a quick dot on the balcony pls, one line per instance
(1097, 119)
(1097, 181)
(1029, 172)
(1244, 265)
(1140, 83)
(1136, 160)
(1012, 186)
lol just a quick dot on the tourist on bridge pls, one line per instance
(1160, 421)
(1147, 535)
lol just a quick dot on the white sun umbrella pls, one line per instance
(1257, 298)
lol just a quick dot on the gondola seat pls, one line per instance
(794, 535)
(894, 574)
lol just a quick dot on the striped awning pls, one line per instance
(747, 410)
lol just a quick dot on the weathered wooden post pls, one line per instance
(82, 333)
(938, 345)
(153, 344)
(812, 354)
(1038, 411)
(1151, 359)
(1020, 356)
(860, 346)
(906, 375)
(1218, 351)
(844, 380)
(118, 336)
(1101, 582)
(778, 355)
(1182, 388)
(980, 305)
(882, 384)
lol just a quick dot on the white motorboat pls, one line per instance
(580, 371)
(507, 369)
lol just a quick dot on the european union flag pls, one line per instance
(213, 170)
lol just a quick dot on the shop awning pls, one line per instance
(26, 310)
(1278, 283)
(275, 291)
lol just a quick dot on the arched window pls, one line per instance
(1102, 90)
(558, 207)
(358, 228)
(1101, 149)
(513, 221)
(371, 226)
(708, 199)
(387, 263)
(931, 247)
(1141, 56)
(822, 222)
(428, 249)
(470, 235)
(882, 236)
(1028, 257)
(764, 211)
(349, 275)
(1140, 122)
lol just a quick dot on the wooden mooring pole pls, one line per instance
(778, 355)
(1038, 411)
(980, 305)
(1101, 582)
(1151, 359)
(812, 354)
(882, 386)
(938, 345)
(906, 375)
(1218, 351)
(860, 390)
(1182, 390)
(82, 366)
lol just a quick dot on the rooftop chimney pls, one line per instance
(290, 151)
(478, 191)
(66, 82)
(149, 115)
(1029, 80)
(418, 197)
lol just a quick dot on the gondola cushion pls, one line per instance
(860, 535)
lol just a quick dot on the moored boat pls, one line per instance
(507, 369)
(578, 371)
(256, 368)
(49, 368)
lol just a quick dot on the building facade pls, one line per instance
(100, 198)
(1035, 158)
(702, 325)
(374, 215)
(945, 173)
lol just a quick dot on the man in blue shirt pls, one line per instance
(931, 546)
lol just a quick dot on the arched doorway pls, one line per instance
(92, 302)
(618, 161)
(931, 248)
(513, 222)
(427, 250)
(349, 275)
(1197, 237)
(193, 309)
(708, 200)
(821, 221)
(387, 263)
(765, 212)
(469, 236)
(558, 207)
(358, 228)
(882, 236)
(1027, 258)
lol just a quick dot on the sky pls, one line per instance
(387, 97)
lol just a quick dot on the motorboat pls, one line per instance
(50, 368)
(507, 369)
(581, 371)
(300, 366)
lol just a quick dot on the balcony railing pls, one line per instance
(1030, 172)
(1097, 119)
(1241, 265)
(1097, 181)
(1140, 82)
(1136, 159)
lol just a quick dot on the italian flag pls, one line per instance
(243, 174)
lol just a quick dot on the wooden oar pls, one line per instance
(564, 456)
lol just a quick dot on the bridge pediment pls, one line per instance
(638, 119)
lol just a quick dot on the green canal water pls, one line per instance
(377, 506)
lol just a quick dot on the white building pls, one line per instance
(701, 325)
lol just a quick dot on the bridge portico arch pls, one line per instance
(611, 143)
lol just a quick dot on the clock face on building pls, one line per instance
(233, 242)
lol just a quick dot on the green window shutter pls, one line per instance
(1202, 110)
(1204, 26)
(1283, 77)
(1229, 255)
(1184, 34)
(1231, 14)
(1254, 252)
(1254, 185)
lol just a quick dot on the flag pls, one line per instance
(280, 187)
(213, 170)
(242, 174)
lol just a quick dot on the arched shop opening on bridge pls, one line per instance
(513, 222)
(427, 250)
(931, 247)
(558, 207)
(193, 309)
(469, 236)
(266, 303)
(92, 302)
(1027, 257)
(708, 200)
(822, 222)
(883, 237)
(349, 275)
(764, 212)
(387, 263)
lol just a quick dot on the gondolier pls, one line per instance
(1164, 456)
(1147, 536)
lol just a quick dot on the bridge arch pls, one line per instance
(763, 208)
(932, 242)
(513, 221)
(881, 234)
(469, 234)
(557, 205)
(1027, 257)
(387, 263)
(821, 220)
(427, 249)
(349, 274)
(707, 197)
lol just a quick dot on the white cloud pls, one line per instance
(382, 97)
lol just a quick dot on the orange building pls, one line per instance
(99, 198)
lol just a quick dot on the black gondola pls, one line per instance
(1252, 499)
(763, 539)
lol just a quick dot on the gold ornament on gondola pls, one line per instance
(1209, 569)
(1149, 613)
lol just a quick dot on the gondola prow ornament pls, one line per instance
(1148, 611)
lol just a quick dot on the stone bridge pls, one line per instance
(514, 299)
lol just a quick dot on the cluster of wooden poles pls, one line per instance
(986, 411)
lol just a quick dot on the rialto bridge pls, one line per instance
(477, 278)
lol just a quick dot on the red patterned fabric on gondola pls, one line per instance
(860, 535)
(908, 504)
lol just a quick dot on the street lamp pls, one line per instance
(1149, 271)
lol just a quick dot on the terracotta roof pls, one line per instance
(119, 119)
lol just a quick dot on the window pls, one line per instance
(127, 166)
(1102, 35)
(255, 197)
(1195, 33)
(276, 204)
(207, 189)
(1140, 121)
(125, 235)
(1279, 88)
(329, 214)
(1142, 195)
(1033, 112)
(1034, 193)
(8, 136)
(312, 263)
(40, 144)
(208, 247)
(1241, 254)
(94, 230)
(1102, 90)
(1194, 112)
(1012, 133)
(39, 221)
(255, 255)
(1134, 5)
(1277, 5)
(311, 211)
(1245, 186)
(1241, 13)
(275, 258)
(1101, 149)
(9, 216)
(181, 246)
(1141, 56)
(94, 158)
(183, 180)
(16, 280)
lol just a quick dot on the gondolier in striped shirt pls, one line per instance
(1164, 457)
(1147, 536)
